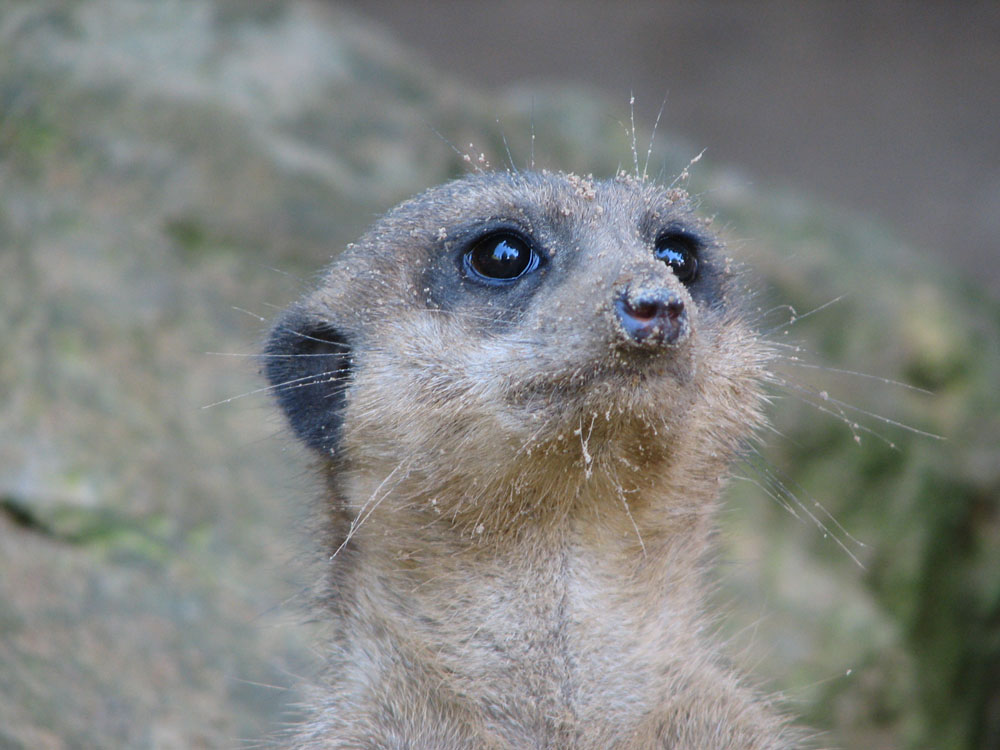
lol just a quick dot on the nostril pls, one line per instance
(655, 317)
(651, 307)
(644, 310)
(674, 307)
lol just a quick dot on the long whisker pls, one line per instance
(311, 379)
(796, 362)
(775, 488)
(844, 406)
(265, 355)
(631, 114)
(652, 137)
(506, 146)
(795, 318)
(365, 512)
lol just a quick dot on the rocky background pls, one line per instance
(172, 173)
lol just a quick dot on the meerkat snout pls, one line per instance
(652, 317)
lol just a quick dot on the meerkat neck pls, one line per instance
(633, 554)
(545, 623)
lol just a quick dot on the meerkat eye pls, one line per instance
(679, 251)
(501, 256)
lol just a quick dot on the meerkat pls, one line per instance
(524, 391)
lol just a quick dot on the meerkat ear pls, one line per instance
(308, 363)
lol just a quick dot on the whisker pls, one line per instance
(775, 488)
(461, 155)
(532, 121)
(652, 137)
(628, 512)
(251, 314)
(795, 361)
(311, 379)
(795, 318)
(265, 355)
(362, 515)
(631, 114)
(506, 146)
(686, 173)
(842, 405)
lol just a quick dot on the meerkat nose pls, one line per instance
(652, 317)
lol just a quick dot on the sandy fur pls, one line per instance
(521, 501)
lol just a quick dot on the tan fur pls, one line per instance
(521, 501)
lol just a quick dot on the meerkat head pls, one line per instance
(509, 330)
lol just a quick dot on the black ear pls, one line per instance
(308, 363)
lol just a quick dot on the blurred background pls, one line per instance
(173, 173)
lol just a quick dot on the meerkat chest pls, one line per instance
(554, 639)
